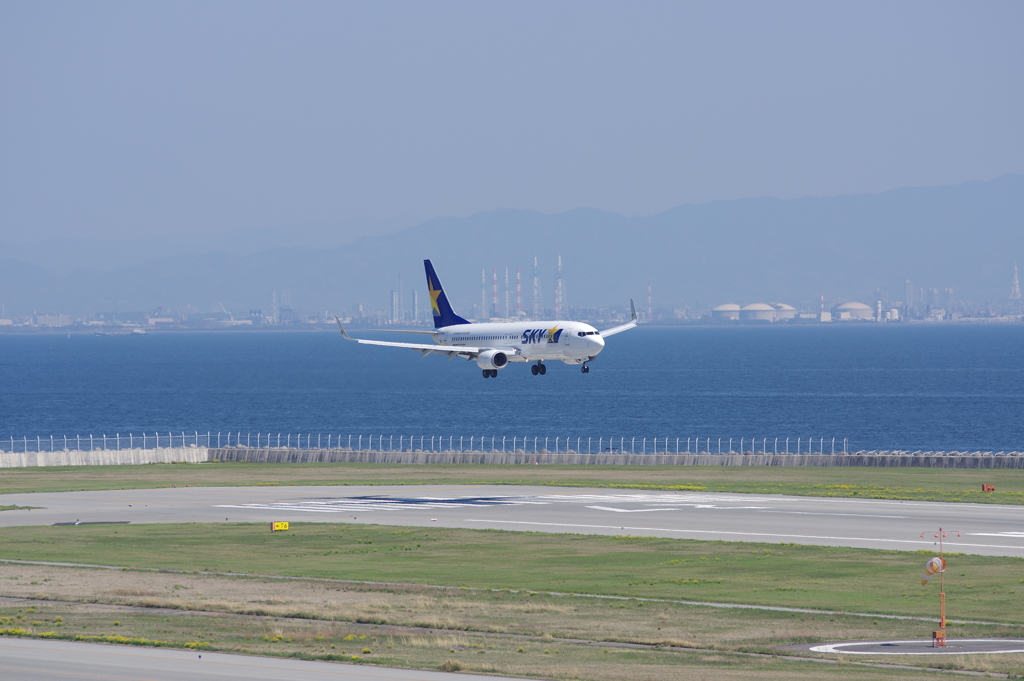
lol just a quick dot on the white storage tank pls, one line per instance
(757, 312)
(853, 310)
(726, 312)
(783, 311)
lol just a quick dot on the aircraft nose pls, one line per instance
(598, 341)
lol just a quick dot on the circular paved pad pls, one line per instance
(954, 646)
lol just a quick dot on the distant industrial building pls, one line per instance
(754, 313)
(784, 312)
(852, 311)
(757, 312)
(727, 312)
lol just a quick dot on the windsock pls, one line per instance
(932, 568)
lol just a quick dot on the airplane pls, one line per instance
(494, 345)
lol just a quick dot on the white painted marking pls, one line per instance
(847, 647)
(1012, 535)
(744, 534)
(635, 510)
(855, 515)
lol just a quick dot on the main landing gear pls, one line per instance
(538, 368)
(490, 373)
(585, 369)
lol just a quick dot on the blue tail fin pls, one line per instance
(444, 315)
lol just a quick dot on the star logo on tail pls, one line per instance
(434, 293)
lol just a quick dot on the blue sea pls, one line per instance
(912, 387)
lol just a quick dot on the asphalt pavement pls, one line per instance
(23, 659)
(986, 529)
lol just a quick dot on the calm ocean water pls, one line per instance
(894, 386)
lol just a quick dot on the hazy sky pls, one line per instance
(153, 119)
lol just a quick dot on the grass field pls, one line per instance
(861, 580)
(542, 657)
(529, 632)
(523, 634)
(929, 484)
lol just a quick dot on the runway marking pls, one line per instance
(1011, 535)
(847, 647)
(381, 503)
(745, 534)
(854, 515)
(635, 510)
(388, 503)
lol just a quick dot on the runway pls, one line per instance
(865, 523)
(22, 658)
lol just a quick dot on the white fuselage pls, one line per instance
(570, 342)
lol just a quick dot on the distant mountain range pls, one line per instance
(965, 237)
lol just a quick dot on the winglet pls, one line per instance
(342, 329)
(632, 310)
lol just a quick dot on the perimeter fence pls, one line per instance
(429, 443)
(529, 444)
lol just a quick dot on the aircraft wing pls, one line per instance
(456, 351)
(422, 333)
(623, 327)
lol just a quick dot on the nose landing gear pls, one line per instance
(584, 369)
(538, 368)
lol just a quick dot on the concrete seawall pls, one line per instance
(104, 457)
(877, 460)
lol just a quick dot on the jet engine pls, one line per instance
(492, 359)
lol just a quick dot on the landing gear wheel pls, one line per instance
(494, 373)
(487, 373)
(542, 369)
(584, 369)
(534, 370)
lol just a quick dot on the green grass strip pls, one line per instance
(919, 484)
(859, 580)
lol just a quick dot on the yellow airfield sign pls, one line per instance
(274, 527)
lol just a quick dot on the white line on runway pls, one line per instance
(855, 515)
(848, 648)
(744, 534)
(635, 510)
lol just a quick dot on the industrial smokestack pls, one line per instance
(494, 296)
(519, 294)
(537, 308)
